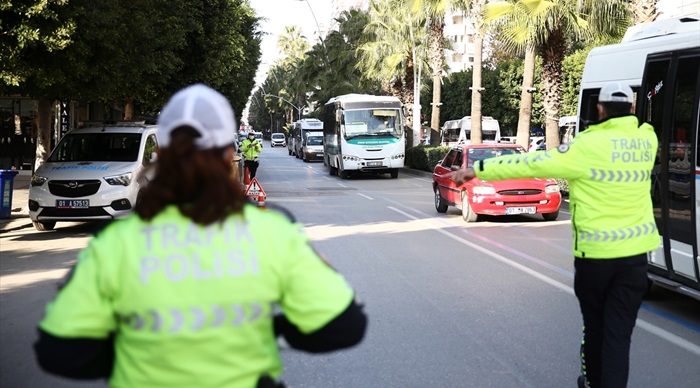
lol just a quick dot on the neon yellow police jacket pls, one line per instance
(608, 168)
(192, 306)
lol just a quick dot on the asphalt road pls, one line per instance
(451, 304)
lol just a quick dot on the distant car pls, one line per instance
(278, 139)
(477, 197)
(508, 139)
(535, 141)
(542, 146)
(92, 174)
(259, 137)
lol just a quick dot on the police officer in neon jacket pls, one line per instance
(608, 168)
(185, 292)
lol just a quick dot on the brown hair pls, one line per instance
(197, 181)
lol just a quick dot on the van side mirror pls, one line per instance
(154, 157)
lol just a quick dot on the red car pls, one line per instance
(476, 197)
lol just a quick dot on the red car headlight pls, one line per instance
(483, 190)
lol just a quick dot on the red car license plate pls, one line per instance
(73, 203)
(521, 210)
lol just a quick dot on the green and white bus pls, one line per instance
(363, 133)
(660, 61)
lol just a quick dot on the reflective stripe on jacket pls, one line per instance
(608, 168)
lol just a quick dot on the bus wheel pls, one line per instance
(394, 173)
(332, 171)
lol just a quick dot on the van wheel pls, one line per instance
(467, 213)
(44, 226)
(440, 204)
(551, 216)
(394, 173)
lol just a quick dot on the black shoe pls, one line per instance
(582, 382)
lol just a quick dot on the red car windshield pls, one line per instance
(474, 154)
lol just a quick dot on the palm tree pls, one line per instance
(389, 56)
(645, 11)
(476, 16)
(435, 11)
(549, 26)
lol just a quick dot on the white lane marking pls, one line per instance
(649, 327)
(326, 178)
(342, 185)
(366, 196)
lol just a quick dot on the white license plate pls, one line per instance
(319, 155)
(73, 203)
(374, 164)
(521, 210)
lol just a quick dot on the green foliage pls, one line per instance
(571, 81)
(424, 157)
(120, 50)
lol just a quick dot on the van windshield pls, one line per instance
(97, 147)
(314, 140)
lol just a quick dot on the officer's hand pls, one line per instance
(461, 176)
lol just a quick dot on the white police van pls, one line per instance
(94, 173)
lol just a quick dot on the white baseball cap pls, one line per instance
(205, 110)
(616, 92)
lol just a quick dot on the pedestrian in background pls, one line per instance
(608, 168)
(251, 149)
(185, 291)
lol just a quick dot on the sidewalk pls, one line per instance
(19, 216)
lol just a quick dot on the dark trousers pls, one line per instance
(252, 167)
(610, 293)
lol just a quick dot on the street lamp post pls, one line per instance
(299, 109)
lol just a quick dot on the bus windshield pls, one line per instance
(373, 123)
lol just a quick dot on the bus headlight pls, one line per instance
(351, 158)
(398, 156)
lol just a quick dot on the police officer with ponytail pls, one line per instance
(608, 168)
(187, 291)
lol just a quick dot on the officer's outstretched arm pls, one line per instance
(344, 331)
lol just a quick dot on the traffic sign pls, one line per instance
(255, 190)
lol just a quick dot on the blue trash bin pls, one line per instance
(7, 179)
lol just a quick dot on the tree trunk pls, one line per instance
(478, 20)
(552, 59)
(43, 135)
(525, 115)
(436, 61)
(129, 109)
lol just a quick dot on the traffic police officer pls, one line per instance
(608, 168)
(186, 291)
(251, 149)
